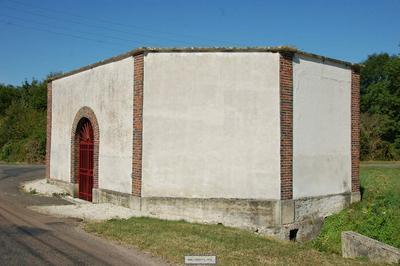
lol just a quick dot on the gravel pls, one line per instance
(78, 208)
(40, 186)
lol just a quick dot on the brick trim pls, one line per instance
(85, 112)
(286, 124)
(355, 130)
(138, 77)
(48, 128)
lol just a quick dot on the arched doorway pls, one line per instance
(85, 159)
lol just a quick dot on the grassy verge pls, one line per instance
(172, 240)
(376, 216)
(21, 163)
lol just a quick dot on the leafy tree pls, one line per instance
(380, 105)
(8, 94)
(23, 122)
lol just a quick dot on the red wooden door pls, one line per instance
(85, 173)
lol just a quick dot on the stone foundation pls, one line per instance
(257, 215)
(355, 196)
(117, 198)
(322, 206)
(299, 219)
(253, 214)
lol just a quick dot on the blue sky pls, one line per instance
(39, 37)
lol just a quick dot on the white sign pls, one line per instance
(200, 259)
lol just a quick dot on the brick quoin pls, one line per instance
(138, 76)
(48, 129)
(85, 112)
(286, 122)
(355, 130)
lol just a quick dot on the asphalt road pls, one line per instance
(30, 238)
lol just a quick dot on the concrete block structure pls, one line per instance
(265, 138)
(355, 245)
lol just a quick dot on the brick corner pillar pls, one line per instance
(355, 130)
(138, 78)
(286, 123)
(48, 128)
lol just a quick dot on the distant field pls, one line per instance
(392, 164)
(377, 216)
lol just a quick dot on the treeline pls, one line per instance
(23, 114)
(23, 122)
(380, 107)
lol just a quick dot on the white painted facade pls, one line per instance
(108, 91)
(321, 128)
(211, 125)
(210, 129)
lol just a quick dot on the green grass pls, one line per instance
(376, 216)
(172, 240)
(33, 191)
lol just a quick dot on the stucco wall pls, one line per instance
(321, 128)
(108, 90)
(211, 125)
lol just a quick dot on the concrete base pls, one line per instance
(258, 215)
(280, 218)
(308, 214)
(356, 245)
(355, 197)
(253, 214)
(302, 231)
(287, 211)
(299, 219)
(117, 198)
(321, 206)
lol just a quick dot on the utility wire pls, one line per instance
(8, 23)
(124, 40)
(108, 21)
(92, 25)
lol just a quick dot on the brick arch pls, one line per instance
(85, 112)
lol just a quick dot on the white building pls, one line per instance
(263, 138)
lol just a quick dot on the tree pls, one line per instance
(380, 105)
(23, 122)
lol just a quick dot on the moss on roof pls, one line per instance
(145, 50)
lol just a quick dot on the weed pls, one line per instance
(376, 216)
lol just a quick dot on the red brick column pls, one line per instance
(138, 76)
(355, 130)
(48, 130)
(286, 117)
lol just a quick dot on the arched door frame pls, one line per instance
(84, 112)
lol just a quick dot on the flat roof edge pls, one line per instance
(145, 50)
